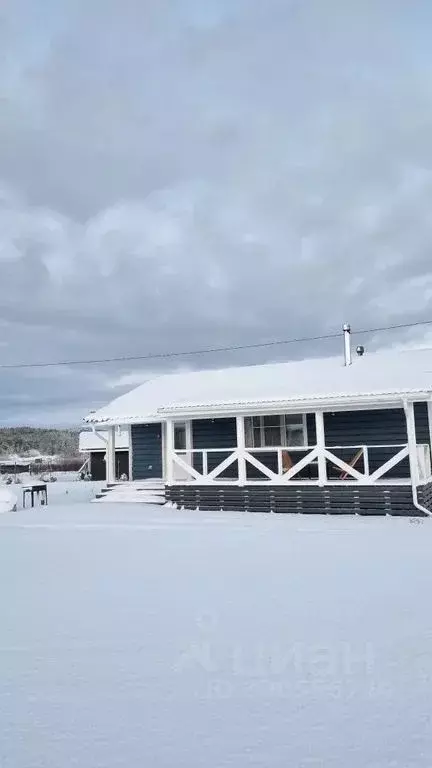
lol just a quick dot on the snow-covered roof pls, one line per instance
(96, 441)
(374, 378)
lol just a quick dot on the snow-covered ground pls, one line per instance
(140, 636)
(8, 500)
(67, 489)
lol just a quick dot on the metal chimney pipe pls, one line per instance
(347, 343)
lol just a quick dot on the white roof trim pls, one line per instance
(122, 420)
(299, 403)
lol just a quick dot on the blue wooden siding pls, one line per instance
(369, 427)
(311, 429)
(374, 428)
(365, 427)
(215, 433)
(146, 451)
(422, 422)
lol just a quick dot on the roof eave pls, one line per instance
(299, 405)
(210, 410)
(120, 420)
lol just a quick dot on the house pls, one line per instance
(93, 445)
(316, 435)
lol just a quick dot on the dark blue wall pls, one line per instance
(365, 427)
(369, 427)
(146, 451)
(375, 428)
(311, 429)
(422, 422)
(215, 433)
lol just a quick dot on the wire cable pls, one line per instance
(212, 350)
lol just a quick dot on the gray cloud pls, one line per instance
(179, 174)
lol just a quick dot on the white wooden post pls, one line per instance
(189, 442)
(130, 470)
(412, 442)
(320, 439)
(366, 460)
(169, 469)
(241, 450)
(164, 456)
(280, 462)
(110, 456)
(204, 463)
(429, 408)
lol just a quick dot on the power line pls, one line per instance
(394, 327)
(212, 350)
(161, 355)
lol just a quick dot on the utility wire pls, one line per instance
(393, 327)
(212, 350)
(160, 355)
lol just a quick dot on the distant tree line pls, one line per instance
(31, 441)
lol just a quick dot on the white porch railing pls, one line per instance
(358, 464)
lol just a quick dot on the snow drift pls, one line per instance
(8, 500)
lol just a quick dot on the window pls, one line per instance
(179, 436)
(295, 430)
(268, 431)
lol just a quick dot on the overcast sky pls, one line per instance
(176, 174)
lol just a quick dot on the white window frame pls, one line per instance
(250, 432)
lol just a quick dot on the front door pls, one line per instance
(146, 451)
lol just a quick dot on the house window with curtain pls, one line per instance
(268, 431)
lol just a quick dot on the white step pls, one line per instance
(137, 492)
(132, 498)
(139, 485)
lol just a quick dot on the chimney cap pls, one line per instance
(360, 350)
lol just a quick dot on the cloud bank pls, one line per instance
(177, 174)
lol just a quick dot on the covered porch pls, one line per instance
(381, 445)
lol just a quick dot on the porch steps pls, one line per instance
(137, 492)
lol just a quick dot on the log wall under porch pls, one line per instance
(366, 501)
